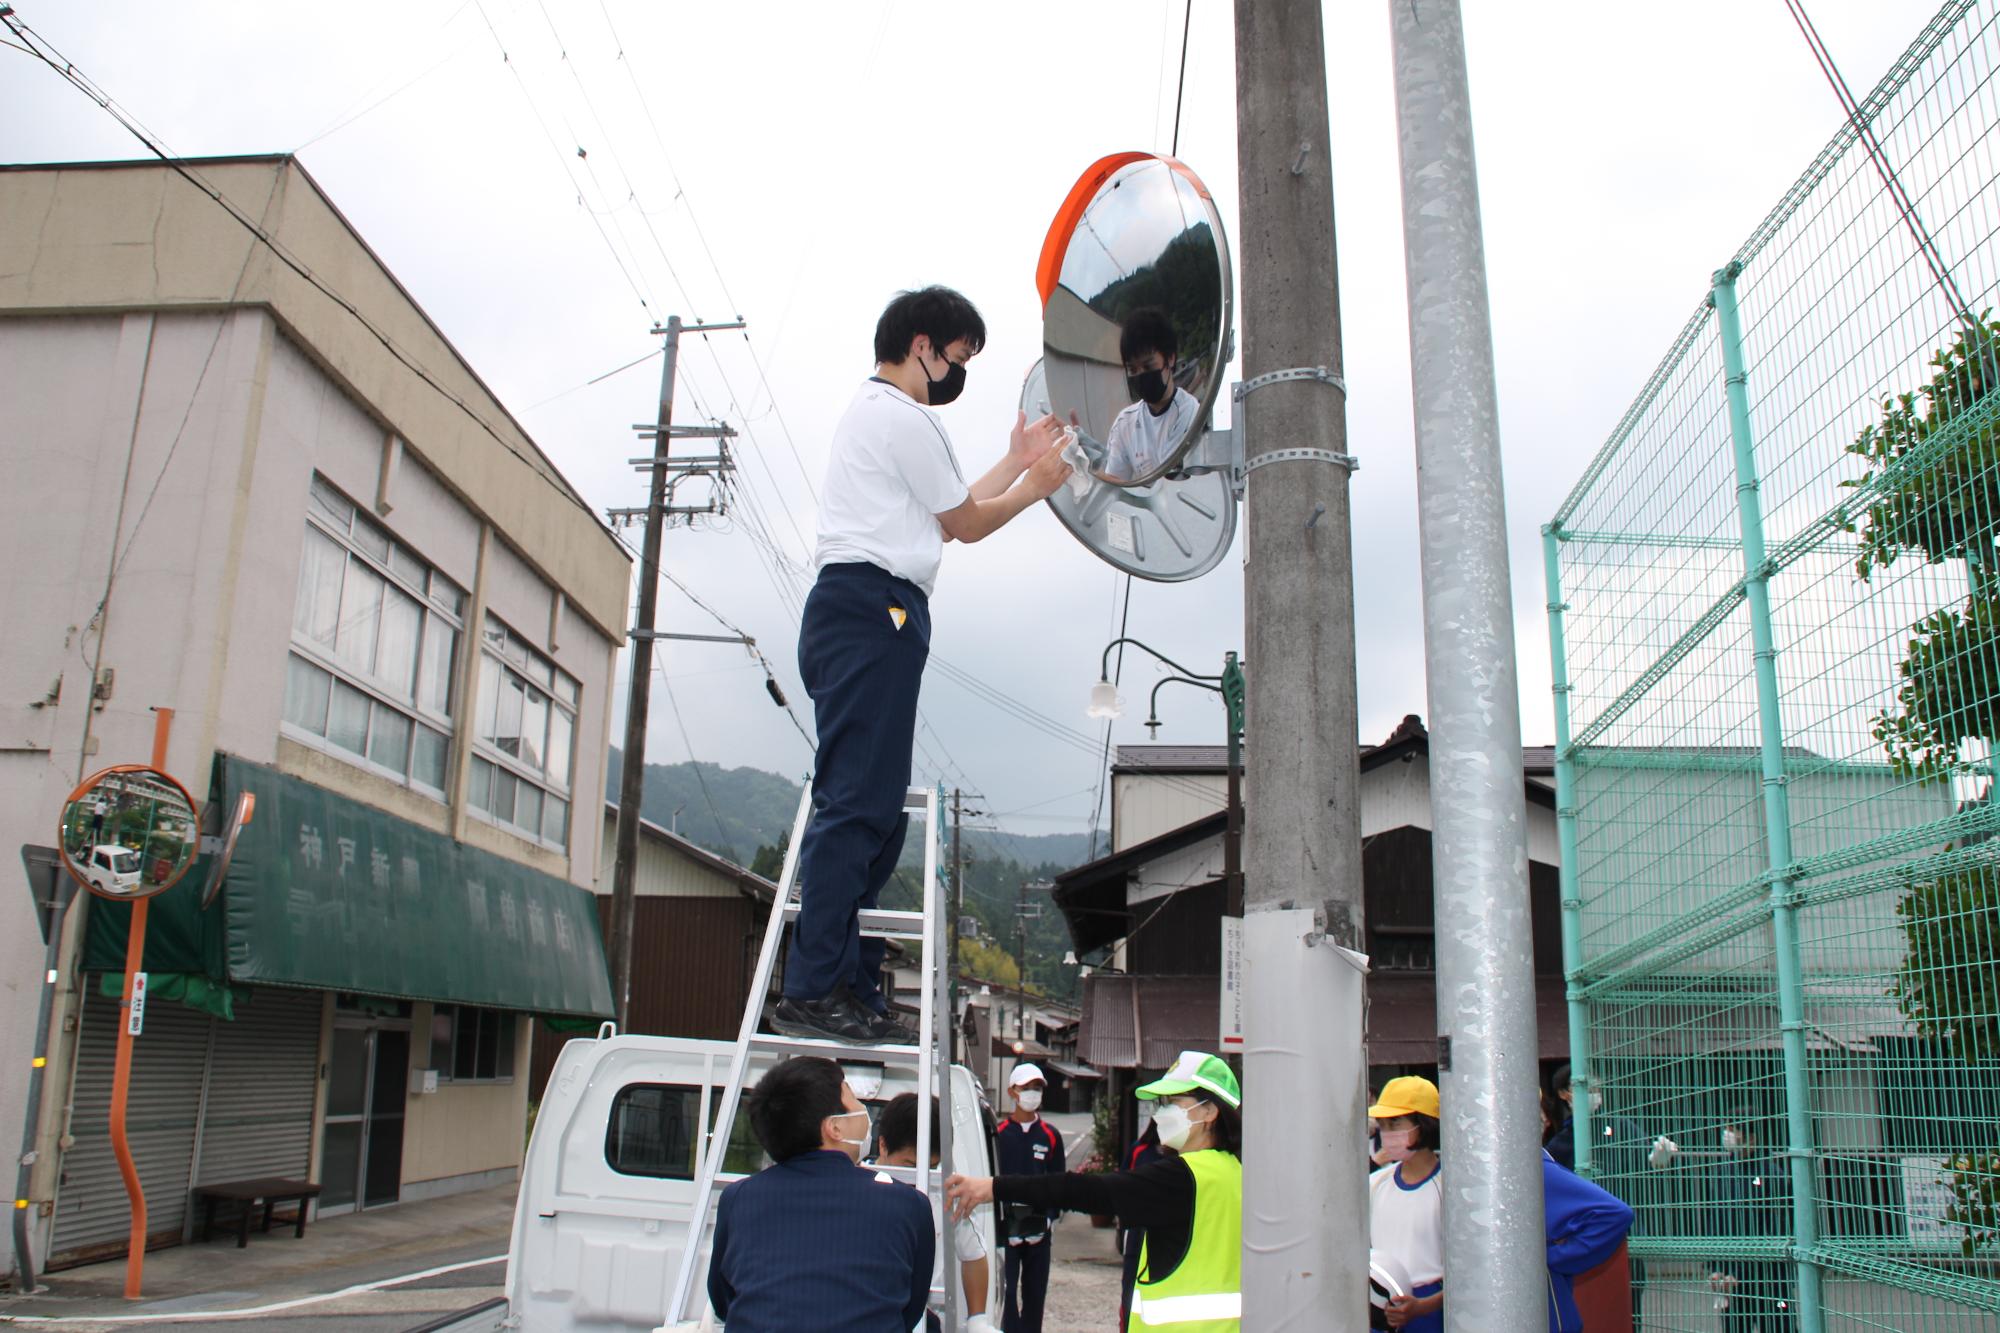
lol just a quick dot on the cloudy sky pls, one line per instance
(796, 164)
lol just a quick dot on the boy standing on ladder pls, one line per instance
(893, 496)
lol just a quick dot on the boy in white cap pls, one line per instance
(1026, 1145)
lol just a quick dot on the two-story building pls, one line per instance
(1150, 912)
(250, 481)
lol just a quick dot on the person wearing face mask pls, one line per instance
(1619, 1156)
(1026, 1145)
(1190, 1202)
(1753, 1201)
(896, 1144)
(785, 1254)
(892, 496)
(1145, 434)
(1406, 1200)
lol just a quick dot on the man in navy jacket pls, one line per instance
(813, 1241)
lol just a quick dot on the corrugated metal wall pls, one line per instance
(93, 1215)
(260, 1071)
(263, 1075)
(1145, 805)
(692, 959)
(664, 870)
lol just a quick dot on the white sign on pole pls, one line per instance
(135, 1017)
(1230, 1027)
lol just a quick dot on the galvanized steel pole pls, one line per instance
(1495, 1253)
(1305, 1188)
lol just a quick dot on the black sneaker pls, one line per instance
(888, 1031)
(835, 1018)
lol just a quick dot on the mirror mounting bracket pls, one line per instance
(1220, 449)
(1320, 374)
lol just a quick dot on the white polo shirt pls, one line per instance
(1140, 441)
(892, 472)
(1408, 1221)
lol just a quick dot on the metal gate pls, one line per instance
(93, 1216)
(238, 1095)
(262, 1075)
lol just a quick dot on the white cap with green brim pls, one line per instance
(1196, 1071)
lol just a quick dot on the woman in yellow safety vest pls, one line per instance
(1190, 1202)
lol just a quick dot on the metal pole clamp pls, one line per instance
(1348, 461)
(1320, 373)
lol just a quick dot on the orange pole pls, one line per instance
(121, 1078)
(121, 1081)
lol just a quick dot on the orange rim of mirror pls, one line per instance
(194, 820)
(1048, 269)
(239, 819)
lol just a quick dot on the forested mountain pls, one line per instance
(745, 814)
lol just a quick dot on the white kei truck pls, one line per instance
(609, 1184)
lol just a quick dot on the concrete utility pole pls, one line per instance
(1305, 1205)
(957, 894)
(639, 690)
(1493, 1241)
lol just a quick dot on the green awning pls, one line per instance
(330, 894)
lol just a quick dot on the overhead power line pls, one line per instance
(68, 71)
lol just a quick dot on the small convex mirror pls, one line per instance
(129, 832)
(1136, 306)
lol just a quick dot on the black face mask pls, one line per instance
(942, 391)
(1148, 387)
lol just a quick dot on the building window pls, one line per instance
(470, 1045)
(375, 641)
(652, 1132)
(524, 738)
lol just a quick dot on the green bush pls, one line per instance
(1948, 507)
(1948, 984)
(1950, 691)
(1974, 1183)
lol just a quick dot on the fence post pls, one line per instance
(1581, 1078)
(1777, 805)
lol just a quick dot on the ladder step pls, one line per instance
(917, 798)
(879, 923)
(837, 1050)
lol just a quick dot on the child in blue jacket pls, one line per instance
(1585, 1226)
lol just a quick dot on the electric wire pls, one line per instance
(617, 161)
(595, 379)
(1180, 89)
(708, 797)
(563, 157)
(67, 70)
(1104, 764)
(1892, 183)
(342, 120)
(52, 57)
(708, 252)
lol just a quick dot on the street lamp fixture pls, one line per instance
(1104, 702)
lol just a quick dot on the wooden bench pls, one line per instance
(247, 1194)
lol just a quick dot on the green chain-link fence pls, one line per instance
(1775, 617)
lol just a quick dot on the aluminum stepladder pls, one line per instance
(929, 1059)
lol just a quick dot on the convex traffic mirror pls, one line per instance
(129, 832)
(1175, 529)
(1134, 278)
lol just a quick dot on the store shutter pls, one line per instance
(261, 1084)
(93, 1215)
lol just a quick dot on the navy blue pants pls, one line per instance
(862, 646)
(1026, 1287)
